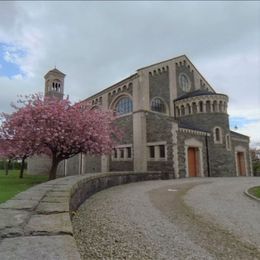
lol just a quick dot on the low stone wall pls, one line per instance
(36, 223)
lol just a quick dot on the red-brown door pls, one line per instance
(241, 164)
(192, 162)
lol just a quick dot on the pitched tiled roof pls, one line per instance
(199, 92)
(189, 125)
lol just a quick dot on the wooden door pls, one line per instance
(192, 162)
(241, 164)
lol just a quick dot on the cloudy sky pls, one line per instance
(99, 43)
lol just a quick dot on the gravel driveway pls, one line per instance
(173, 219)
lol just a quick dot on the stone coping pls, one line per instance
(36, 223)
(250, 195)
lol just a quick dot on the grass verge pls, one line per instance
(255, 191)
(11, 184)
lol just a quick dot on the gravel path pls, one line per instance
(149, 220)
(224, 202)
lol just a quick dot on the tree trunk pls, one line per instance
(54, 166)
(22, 168)
(7, 165)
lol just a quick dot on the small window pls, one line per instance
(115, 153)
(151, 151)
(182, 110)
(121, 153)
(228, 146)
(215, 104)
(124, 106)
(189, 109)
(194, 107)
(217, 135)
(201, 106)
(162, 151)
(217, 132)
(129, 153)
(158, 105)
(178, 111)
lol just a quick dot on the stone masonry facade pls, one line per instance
(173, 121)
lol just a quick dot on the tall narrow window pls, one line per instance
(201, 106)
(189, 109)
(115, 153)
(217, 135)
(194, 107)
(121, 153)
(162, 151)
(182, 110)
(228, 146)
(129, 154)
(151, 151)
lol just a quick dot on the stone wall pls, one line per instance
(159, 86)
(238, 140)
(181, 152)
(36, 224)
(41, 165)
(121, 165)
(92, 164)
(72, 165)
(220, 158)
(159, 128)
(125, 124)
(184, 69)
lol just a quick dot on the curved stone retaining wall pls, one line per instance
(36, 223)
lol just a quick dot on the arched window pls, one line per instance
(182, 110)
(217, 135)
(188, 109)
(228, 145)
(124, 106)
(158, 105)
(208, 106)
(215, 104)
(178, 111)
(194, 107)
(217, 132)
(220, 106)
(201, 106)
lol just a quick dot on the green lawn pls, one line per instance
(11, 184)
(255, 191)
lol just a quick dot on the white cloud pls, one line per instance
(252, 130)
(98, 43)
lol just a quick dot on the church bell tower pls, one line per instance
(54, 83)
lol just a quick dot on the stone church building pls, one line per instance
(173, 121)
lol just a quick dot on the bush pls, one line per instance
(256, 168)
(14, 165)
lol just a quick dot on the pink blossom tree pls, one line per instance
(59, 129)
(6, 154)
(15, 143)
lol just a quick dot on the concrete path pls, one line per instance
(174, 219)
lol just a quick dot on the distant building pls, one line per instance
(173, 120)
